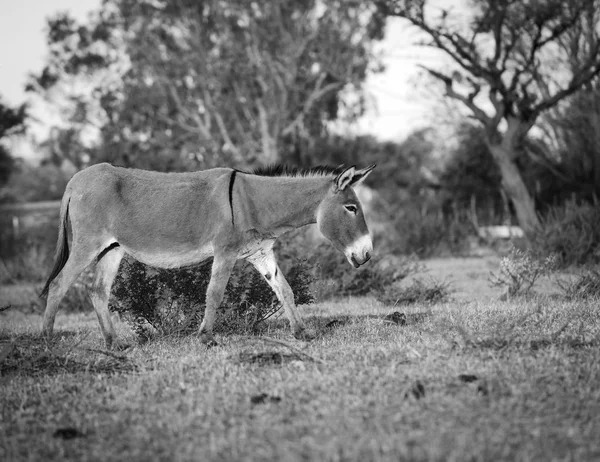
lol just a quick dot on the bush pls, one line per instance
(30, 183)
(28, 259)
(586, 285)
(168, 302)
(519, 271)
(429, 233)
(571, 232)
(333, 276)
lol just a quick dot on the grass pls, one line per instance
(479, 380)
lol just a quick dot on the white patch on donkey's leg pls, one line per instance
(265, 263)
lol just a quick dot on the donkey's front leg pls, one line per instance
(265, 263)
(221, 270)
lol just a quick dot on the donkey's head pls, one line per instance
(341, 220)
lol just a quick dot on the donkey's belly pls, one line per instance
(171, 258)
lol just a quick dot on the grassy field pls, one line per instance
(471, 379)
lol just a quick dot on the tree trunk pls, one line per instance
(515, 188)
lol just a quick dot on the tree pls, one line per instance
(11, 122)
(512, 49)
(216, 81)
(571, 128)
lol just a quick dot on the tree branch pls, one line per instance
(468, 101)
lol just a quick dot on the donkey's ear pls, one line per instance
(345, 178)
(360, 175)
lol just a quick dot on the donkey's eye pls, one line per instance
(351, 208)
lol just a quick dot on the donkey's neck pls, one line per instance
(276, 204)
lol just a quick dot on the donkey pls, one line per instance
(170, 220)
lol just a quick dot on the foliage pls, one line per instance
(183, 85)
(505, 47)
(26, 262)
(470, 177)
(519, 271)
(11, 122)
(570, 231)
(169, 302)
(566, 163)
(585, 286)
(430, 231)
(26, 253)
(6, 165)
(30, 183)
(334, 276)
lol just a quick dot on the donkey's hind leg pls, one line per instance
(106, 270)
(79, 259)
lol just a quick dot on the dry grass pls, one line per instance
(480, 380)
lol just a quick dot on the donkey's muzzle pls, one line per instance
(359, 262)
(359, 252)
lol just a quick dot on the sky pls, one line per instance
(396, 105)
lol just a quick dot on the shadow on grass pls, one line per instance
(325, 325)
(328, 324)
(33, 354)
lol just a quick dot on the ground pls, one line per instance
(473, 378)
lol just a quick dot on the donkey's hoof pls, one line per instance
(208, 339)
(305, 335)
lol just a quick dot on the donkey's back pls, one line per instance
(149, 213)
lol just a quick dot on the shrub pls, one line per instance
(28, 260)
(156, 300)
(428, 233)
(519, 271)
(335, 277)
(168, 302)
(586, 285)
(571, 232)
(29, 264)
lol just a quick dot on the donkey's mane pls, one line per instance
(288, 171)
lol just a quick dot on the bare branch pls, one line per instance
(588, 72)
(468, 101)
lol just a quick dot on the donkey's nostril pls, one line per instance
(367, 256)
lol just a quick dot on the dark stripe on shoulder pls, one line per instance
(231, 181)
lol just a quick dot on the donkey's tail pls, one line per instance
(62, 246)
